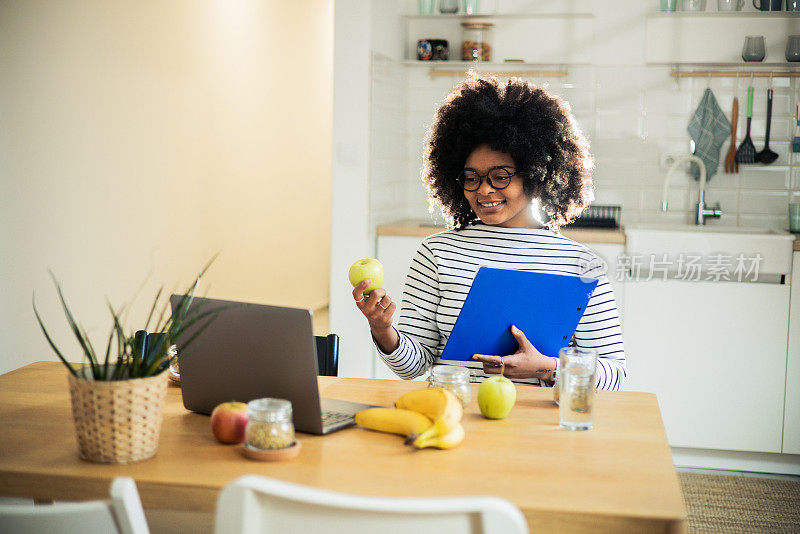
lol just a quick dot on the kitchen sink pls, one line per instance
(710, 242)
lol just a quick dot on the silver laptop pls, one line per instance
(249, 351)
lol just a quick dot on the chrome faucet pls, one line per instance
(701, 212)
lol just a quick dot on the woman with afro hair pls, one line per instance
(507, 165)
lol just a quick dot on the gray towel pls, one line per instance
(709, 128)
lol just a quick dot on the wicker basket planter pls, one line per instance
(118, 421)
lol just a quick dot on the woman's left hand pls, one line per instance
(527, 362)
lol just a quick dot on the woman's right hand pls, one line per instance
(378, 308)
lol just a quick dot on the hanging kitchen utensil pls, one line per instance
(796, 138)
(731, 165)
(767, 156)
(747, 151)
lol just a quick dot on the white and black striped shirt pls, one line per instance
(441, 275)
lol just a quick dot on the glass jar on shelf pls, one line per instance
(448, 6)
(269, 426)
(477, 41)
(454, 379)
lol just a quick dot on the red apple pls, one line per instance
(228, 421)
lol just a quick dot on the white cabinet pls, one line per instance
(791, 416)
(715, 355)
(609, 253)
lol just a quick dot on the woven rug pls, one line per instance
(730, 503)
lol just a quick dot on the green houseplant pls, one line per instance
(118, 397)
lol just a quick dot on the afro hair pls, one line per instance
(536, 128)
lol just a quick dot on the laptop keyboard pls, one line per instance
(332, 418)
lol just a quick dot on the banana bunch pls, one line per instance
(428, 417)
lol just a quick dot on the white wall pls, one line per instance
(350, 236)
(139, 138)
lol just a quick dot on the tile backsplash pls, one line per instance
(634, 116)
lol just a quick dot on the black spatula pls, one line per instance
(747, 151)
(767, 156)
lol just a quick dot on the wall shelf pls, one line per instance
(723, 14)
(712, 37)
(511, 68)
(546, 38)
(500, 16)
(677, 73)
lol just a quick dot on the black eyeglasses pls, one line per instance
(497, 177)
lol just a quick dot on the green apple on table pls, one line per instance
(496, 397)
(367, 268)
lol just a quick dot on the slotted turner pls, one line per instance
(767, 156)
(747, 151)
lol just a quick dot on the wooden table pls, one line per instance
(618, 477)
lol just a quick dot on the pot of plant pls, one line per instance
(118, 397)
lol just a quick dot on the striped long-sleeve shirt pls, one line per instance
(441, 275)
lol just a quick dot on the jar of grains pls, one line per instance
(477, 38)
(269, 426)
(452, 378)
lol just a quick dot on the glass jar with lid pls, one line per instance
(452, 378)
(269, 426)
(477, 41)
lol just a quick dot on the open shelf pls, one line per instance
(490, 16)
(534, 38)
(483, 64)
(716, 38)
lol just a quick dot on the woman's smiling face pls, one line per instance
(509, 207)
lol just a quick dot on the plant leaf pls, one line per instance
(75, 329)
(50, 341)
(108, 352)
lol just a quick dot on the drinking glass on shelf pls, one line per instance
(754, 48)
(794, 218)
(448, 6)
(694, 5)
(793, 48)
(730, 5)
(669, 5)
(470, 7)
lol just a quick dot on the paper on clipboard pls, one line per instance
(546, 307)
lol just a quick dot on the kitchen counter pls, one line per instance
(423, 228)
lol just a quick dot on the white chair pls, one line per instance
(122, 514)
(255, 504)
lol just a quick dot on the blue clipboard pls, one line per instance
(546, 307)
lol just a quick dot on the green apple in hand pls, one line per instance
(367, 268)
(496, 397)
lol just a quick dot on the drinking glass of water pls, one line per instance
(576, 377)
